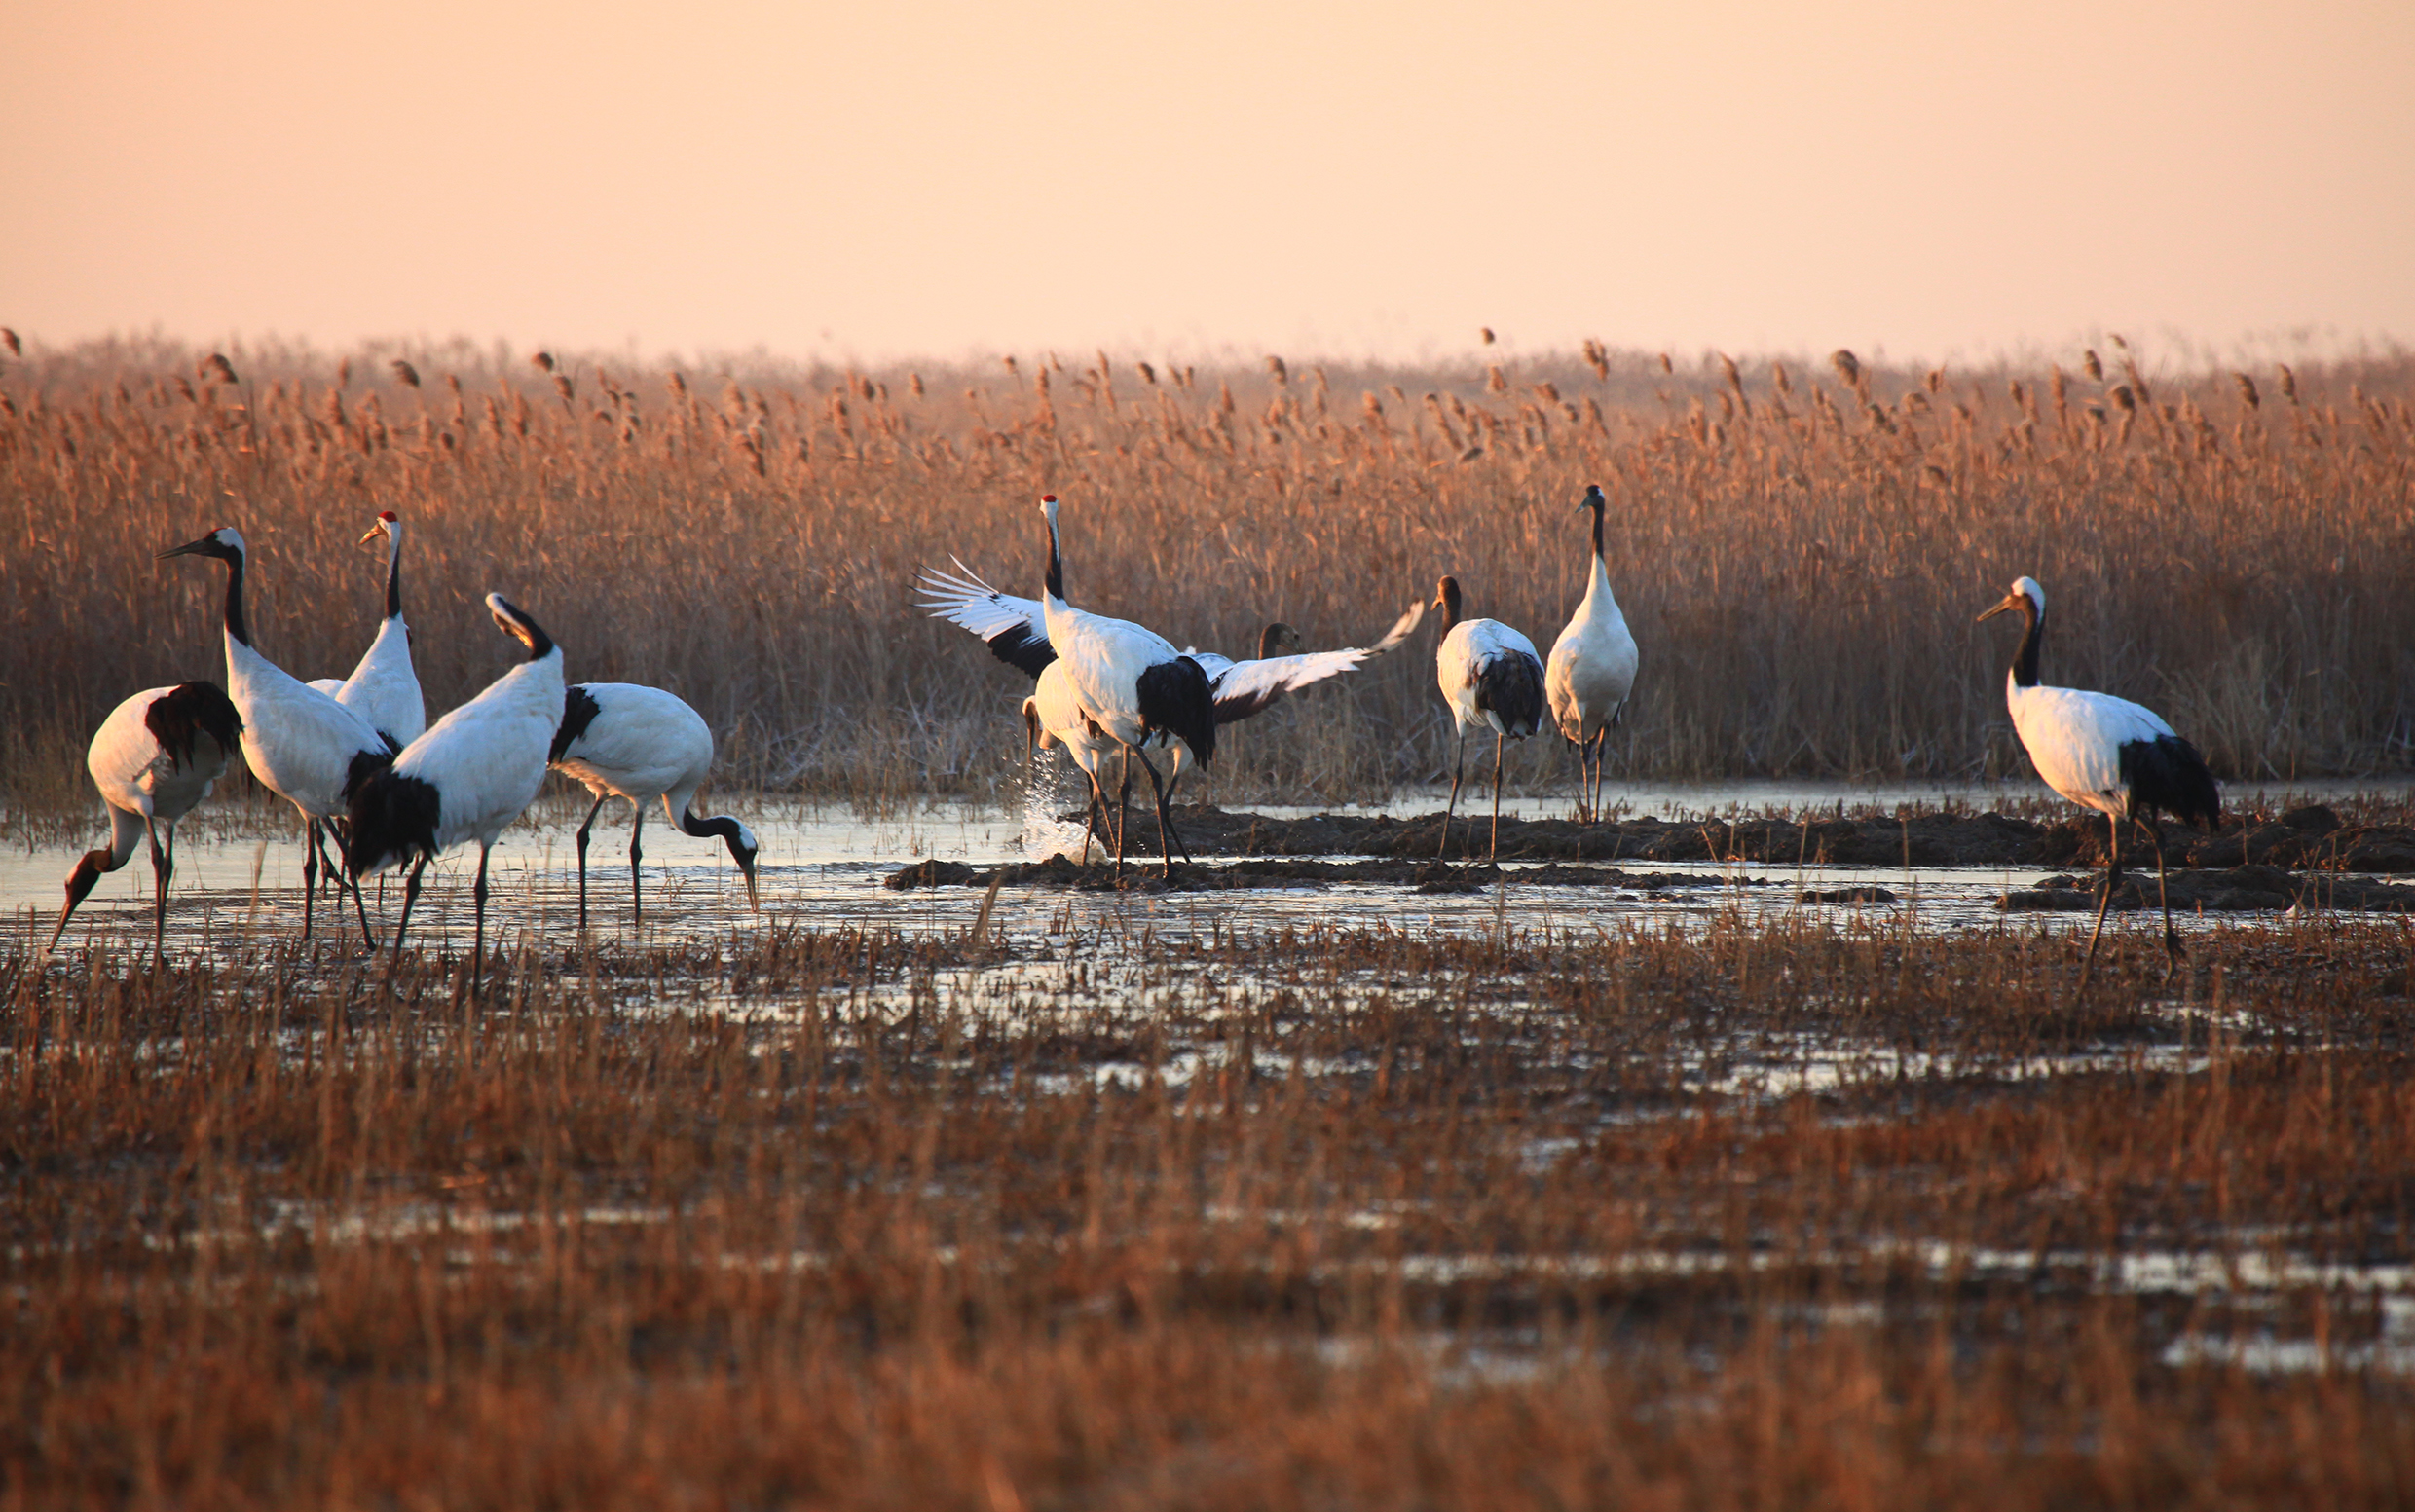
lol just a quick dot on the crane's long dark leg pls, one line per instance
(2112, 879)
(1096, 813)
(585, 831)
(159, 885)
(360, 911)
(1165, 822)
(410, 895)
(1123, 806)
(1601, 751)
(477, 927)
(2163, 887)
(1581, 770)
(1174, 779)
(1498, 741)
(310, 871)
(1458, 767)
(637, 905)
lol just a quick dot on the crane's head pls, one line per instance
(2026, 595)
(1048, 507)
(1278, 637)
(386, 524)
(1036, 737)
(226, 544)
(516, 622)
(1446, 597)
(743, 849)
(1593, 498)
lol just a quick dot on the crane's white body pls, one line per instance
(146, 787)
(1058, 711)
(385, 687)
(1104, 660)
(643, 744)
(1592, 666)
(486, 760)
(1460, 662)
(139, 780)
(2074, 739)
(299, 742)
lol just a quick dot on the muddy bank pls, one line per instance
(1425, 876)
(2255, 889)
(2311, 838)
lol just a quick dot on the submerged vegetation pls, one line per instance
(1787, 1212)
(1799, 551)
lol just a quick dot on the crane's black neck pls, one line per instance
(1595, 503)
(393, 581)
(1449, 597)
(2026, 655)
(234, 625)
(1056, 566)
(1268, 646)
(721, 827)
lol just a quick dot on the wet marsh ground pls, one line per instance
(1147, 1200)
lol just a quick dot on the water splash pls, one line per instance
(1044, 835)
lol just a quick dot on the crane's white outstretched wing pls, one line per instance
(1016, 629)
(1245, 687)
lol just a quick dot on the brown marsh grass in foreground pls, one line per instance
(1789, 1216)
(1799, 551)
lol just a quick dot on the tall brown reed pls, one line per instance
(1799, 552)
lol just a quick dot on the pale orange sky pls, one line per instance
(1933, 181)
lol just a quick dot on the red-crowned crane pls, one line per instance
(1592, 671)
(1129, 681)
(1015, 630)
(1053, 716)
(2105, 753)
(303, 746)
(468, 776)
(153, 759)
(1492, 680)
(627, 740)
(384, 689)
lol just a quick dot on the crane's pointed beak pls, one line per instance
(753, 899)
(189, 548)
(2010, 601)
(373, 532)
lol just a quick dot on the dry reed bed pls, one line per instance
(1799, 550)
(1444, 1221)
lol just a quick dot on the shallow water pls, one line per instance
(239, 878)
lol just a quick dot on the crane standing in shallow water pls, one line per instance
(2105, 753)
(1130, 681)
(468, 776)
(303, 746)
(1492, 680)
(1592, 671)
(154, 758)
(627, 740)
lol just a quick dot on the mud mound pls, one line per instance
(2311, 839)
(2255, 889)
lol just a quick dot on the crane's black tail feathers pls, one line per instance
(2166, 773)
(190, 709)
(1512, 686)
(392, 819)
(1174, 697)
